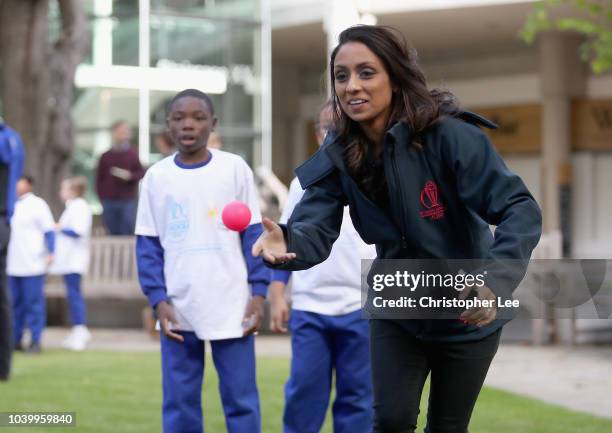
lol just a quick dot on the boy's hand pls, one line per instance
(279, 307)
(49, 259)
(271, 244)
(167, 320)
(254, 315)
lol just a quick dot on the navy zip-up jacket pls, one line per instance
(443, 195)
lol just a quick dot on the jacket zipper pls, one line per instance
(394, 182)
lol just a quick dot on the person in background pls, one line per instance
(164, 144)
(11, 166)
(72, 256)
(30, 253)
(328, 334)
(117, 176)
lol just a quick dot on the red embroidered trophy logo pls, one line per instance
(429, 199)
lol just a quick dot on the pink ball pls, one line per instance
(236, 216)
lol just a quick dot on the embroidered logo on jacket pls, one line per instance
(430, 200)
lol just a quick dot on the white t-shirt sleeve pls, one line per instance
(295, 195)
(247, 192)
(80, 220)
(145, 221)
(45, 218)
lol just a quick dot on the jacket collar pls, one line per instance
(399, 132)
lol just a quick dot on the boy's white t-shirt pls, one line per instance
(27, 252)
(72, 254)
(332, 287)
(204, 266)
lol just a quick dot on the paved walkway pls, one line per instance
(578, 378)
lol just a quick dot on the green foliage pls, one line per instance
(591, 18)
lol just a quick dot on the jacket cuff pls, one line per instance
(281, 275)
(260, 289)
(155, 296)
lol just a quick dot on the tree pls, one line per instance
(36, 84)
(591, 18)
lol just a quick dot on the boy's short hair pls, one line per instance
(29, 179)
(194, 93)
(78, 184)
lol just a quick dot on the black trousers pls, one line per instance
(400, 366)
(6, 318)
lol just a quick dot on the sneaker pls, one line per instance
(82, 336)
(68, 341)
(18, 347)
(34, 349)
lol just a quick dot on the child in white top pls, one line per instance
(196, 273)
(30, 252)
(72, 256)
(329, 338)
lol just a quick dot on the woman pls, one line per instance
(421, 181)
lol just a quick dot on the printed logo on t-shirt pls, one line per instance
(431, 201)
(178, 220)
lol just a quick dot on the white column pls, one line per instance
(144, 103)
(102, 43)
(266, 85)
(102, 56)
(342, 14)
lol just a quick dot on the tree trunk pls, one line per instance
(25, 79)
(37, 83)
(63, 61)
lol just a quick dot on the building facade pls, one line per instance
(555, 115)
(144, 51)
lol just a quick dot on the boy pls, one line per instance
(72, 256)
(194, 270)
(30, 253)
(328, 334)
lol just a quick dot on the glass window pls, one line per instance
(125, 32)
(235, 9)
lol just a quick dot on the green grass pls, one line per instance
(121, 392)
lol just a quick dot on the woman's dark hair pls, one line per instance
(412, 102)
(194, 93)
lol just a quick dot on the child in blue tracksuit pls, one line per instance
(30, 253)
(329, 337)
(196, 273)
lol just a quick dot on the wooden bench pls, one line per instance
(110, 288)
(112, 271)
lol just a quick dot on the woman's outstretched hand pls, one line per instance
(271, 244)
